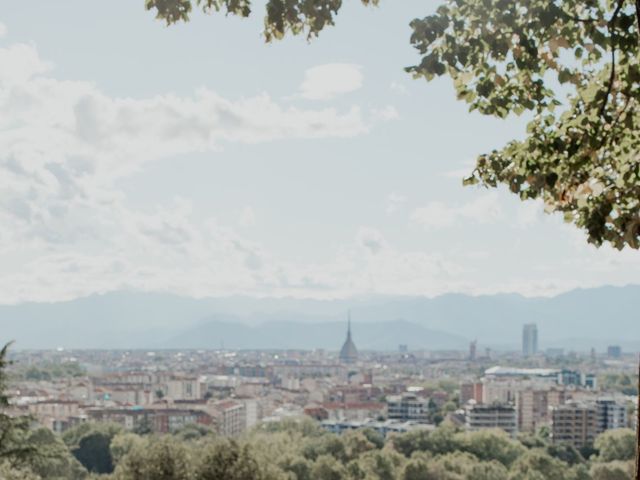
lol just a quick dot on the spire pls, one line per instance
(349, 352)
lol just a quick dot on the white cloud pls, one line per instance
(247, 217)
(324, 82)
(482, 209)
(66, 228)
(399, 88)
(20, 62)
(379, 267)
(372, 265)
(395, 201)
(371, 240)
(387, 113)
(529, 213)
(64, 143)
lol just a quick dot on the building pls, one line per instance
(614, 351)
(252, 411)
(349, 352)
(529, 339)
(502, 416)
(183, 388)
(55, 414)
(540, 376)
(579, 423)
(611, 414)
(577, 379)
(383, 428)
(408, 407)
(348, 411)
(473, 351)
(471, 391)
(574, 424)
(158, 420)
(534, 407)
(230, 417)
(505, 390)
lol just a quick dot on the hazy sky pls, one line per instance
(196, 159)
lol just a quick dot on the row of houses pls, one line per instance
(227, 417)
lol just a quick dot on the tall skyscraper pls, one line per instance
(472, 350)
(529, 339)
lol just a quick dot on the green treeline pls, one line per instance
(49, 371)
(619, 382)
(298, 449)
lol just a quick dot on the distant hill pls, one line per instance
(577, 319)
(327, 335)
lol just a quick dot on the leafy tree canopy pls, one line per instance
(573, 64)
(90, 443)
(617, 444)
(15, 448)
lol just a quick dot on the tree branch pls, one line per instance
(638, 17)
(612, 74)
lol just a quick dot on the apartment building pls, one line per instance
(579, 423)
(408, 407)
(533, 407)
(574, 424)
(502, 416)
(159, 420)
(230, 417)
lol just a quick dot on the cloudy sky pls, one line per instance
(197, 160)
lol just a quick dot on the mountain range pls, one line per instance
(578, 319)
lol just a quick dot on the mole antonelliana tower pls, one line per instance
(349, 352)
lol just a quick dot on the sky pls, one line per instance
(196, 159)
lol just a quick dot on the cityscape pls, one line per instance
(320, 240)
(574, 397)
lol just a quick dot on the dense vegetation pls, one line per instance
(298, 449)
(619, 382)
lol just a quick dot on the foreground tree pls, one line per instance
(161, 458)
(15, 449)
(491, 445)
(227, 460)
(27, 452)
(54, 460)
(615, 445)
(612, 471)
(90, 443)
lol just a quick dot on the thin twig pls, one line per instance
(638, 17)
(617, 119)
